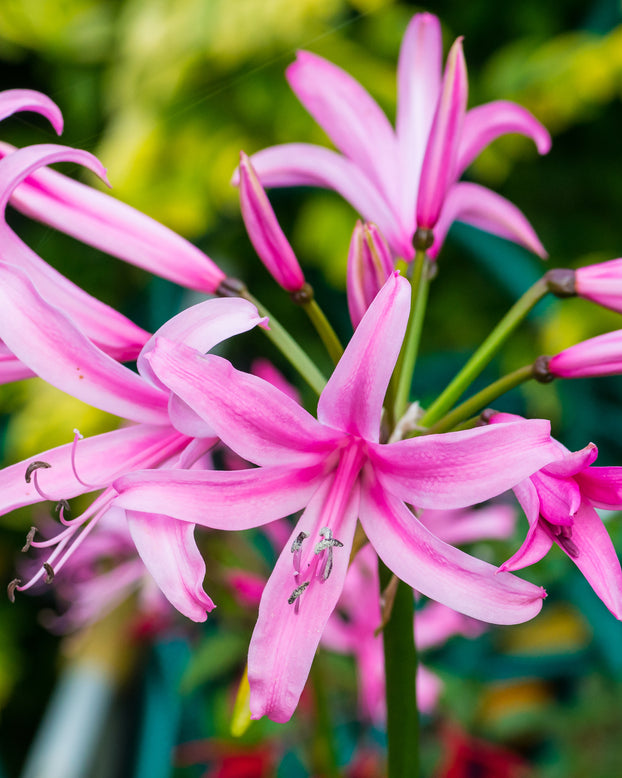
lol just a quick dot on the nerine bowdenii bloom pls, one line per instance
(335, 467)
(407, 177)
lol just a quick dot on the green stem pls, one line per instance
(485, 353)
(324, 750)
(481, 400)
(399, 389)
(324, 329)
(400, 662)
(289, 347)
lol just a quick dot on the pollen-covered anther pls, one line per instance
(49, 573)
(63, 509)
(297, 550)
(37, 465)
(297, 592)
(12, 587)
(29, 538)
(325, 547)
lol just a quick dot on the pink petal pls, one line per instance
(15, 100)
(99, 460)
(369, 266)
(440, 571)
(601, 283)
(573, 462)
(418, 88)
(597, 356)
(286, 635)
(458, 469)
(436, 623)
(597, 558)
(302, 164)
(45, 340)
(252, 417)
(537, 542)
(602, 486)
(115, 228)
(488, 211)
(350, 117)
(486, 123)
(468, 526)
(439, 170)
(115, 333)
(560, 498)
(11, 369)
(220, 499)
(203, 327)
(353, 397)
(264, 231)
(170, 553)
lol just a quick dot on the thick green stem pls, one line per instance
(324, 329)
(289, 347)
(399, 388)
(485, 353)
(400, 662)
(324, 750)
(481, 400)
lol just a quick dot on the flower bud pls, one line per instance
(598, 356)
(369, 266)
(601, 283)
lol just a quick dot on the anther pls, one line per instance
(296, 550)
(29, 538)
(297, 592)
(49, 573)
(11, 588)
(63, 509)
(35, 466)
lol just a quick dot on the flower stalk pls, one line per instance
(306, 300)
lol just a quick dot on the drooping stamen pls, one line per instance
(64, 512)
(10, 589)
(32, 475)
(297, 552)
(29, 538)
(49, 573)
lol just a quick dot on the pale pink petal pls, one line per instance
(438, 171)
(597, 558)
(45, 340)
(264, 231)
(302, 164)
(486, 123)
(537, 542)
(418, 88)
(202, 327)
(353, 397)
(115, 228)
(116, 334)
(602, 486)
(488, 211)
(458, 469)
(468, 526)
(597, 356)
(287, 634)
(252, 417)
(220, 499)
(99, 460)
(436, 623)
(350, 117)
(560, 498)
(170, 553)
(573, 462)
(440, 571)
(429, 687)
(369, 266)
(264, 369)
(11, 369)
(601, 283)
(15, 100)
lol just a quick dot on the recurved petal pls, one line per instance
(49, 343)
(115, 228)
(98, 459)
(350, 117)
(458, 469)
(220, 499)
(352, 399)
(303, 164)
(202, 327)
(537, 542)
(170, 553)
(485, 123)
(418, 88)
(252, 417)
(441, 571)
(438, 171)
(602, 486)
(15, 100)
(488, 211)
(286, 635)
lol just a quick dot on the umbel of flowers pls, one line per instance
(363, 464)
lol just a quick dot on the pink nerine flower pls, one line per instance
(369, 265)
(559, 502)
(404, 178)
(599, 356)
(336, 468)
(48, 342)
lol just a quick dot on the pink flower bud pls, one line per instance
(601, 283)
(369, 266)
(598, 356)
(264, 231)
